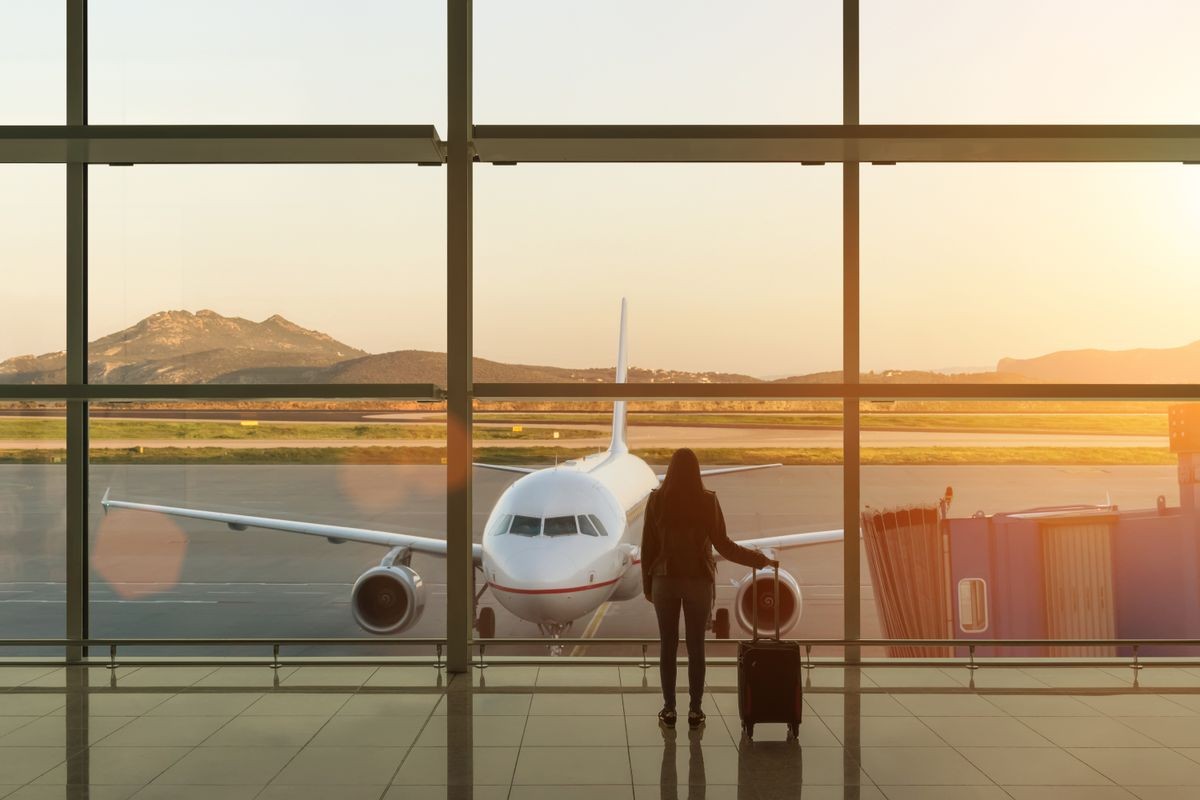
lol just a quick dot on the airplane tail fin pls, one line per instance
(619, 442)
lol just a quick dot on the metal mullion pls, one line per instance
(76, 333)
(849, 142)
(256, 391)
(597, 392)
(1025, 391)
(230, 144)
(460, 595)
(851, 427)
(859, 391)
(851, 336)
(651, 391)
(419, 144)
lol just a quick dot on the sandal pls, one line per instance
(696, 718)
(667, 717)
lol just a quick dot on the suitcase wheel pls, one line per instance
(748, 729)
(794, 730)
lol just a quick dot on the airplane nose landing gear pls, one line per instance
(555, 630)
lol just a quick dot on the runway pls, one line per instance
(151, 576)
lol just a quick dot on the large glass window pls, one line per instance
(226, 518)
(33, 63)
(267, 274)
(591, 585)
(732, 272)
(353, 466)
(33, 518)
(33, 268)
(625, 62)
(1029, 520)
(1046, 273)
(267, 62)
(1028, 61)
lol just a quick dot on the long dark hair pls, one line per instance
(682, 489)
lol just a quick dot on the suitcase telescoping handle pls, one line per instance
(754, 599)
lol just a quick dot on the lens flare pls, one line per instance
(139, 554)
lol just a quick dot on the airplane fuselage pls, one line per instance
(560, 542)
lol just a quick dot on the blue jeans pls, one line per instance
(695, 597)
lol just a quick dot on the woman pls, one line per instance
(683, 524)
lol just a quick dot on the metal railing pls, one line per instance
(970, 661)
(275, 643)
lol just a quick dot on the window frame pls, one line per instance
(849, 146)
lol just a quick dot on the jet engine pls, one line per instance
(791, 602)
(388, 599)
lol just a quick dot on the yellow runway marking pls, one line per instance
(590, 630)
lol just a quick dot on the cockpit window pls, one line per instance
(560, 526)
(599, 525)
(526, 526)
(500, 525)
(586, 526)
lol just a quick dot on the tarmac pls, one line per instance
(156, 577)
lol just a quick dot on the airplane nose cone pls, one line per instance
(531, 569)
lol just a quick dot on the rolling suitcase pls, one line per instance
(769, 683)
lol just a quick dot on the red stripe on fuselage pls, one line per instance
(568, 590)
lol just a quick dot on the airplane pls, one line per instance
(560, 542)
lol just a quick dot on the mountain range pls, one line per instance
(1140, 365)
(206, 347)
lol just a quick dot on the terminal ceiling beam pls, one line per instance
(221, 144)
(501, 144)
(819, 144)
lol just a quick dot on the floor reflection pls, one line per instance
(769, 769)
(668, 779)
(77, 720)
(851, 732)
(765, 769)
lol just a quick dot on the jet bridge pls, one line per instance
(1065, 572)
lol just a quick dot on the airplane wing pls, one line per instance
(704, 473)
(334, 533)
(505, 468)
(786, 541)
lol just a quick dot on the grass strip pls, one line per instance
(45, 429)
(1111, 424)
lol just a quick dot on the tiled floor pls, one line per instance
(568, 732)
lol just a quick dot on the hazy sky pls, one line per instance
(727, 267)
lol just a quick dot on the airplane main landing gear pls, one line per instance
(485, 616)
(485, 623)
(721, 624)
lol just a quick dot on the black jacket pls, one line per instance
(684, 547)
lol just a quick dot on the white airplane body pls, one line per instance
(555, 579)
(559, 543)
